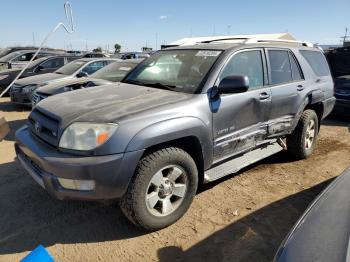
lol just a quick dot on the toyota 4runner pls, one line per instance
(186, 115)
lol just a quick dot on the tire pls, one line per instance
(297, 143)
(146, 202)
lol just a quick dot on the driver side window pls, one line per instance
(247, 63)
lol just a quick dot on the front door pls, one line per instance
(239, 120)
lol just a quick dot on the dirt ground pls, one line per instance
(243, 217)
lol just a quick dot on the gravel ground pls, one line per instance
(243, 217)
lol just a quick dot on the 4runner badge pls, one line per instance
(37, 127)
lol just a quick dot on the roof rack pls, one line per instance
(257, 40)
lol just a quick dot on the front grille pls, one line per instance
(16, 89)
(37, 97)
(44, 126)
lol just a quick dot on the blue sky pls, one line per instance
(135, 23)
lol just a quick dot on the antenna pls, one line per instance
(70, 29)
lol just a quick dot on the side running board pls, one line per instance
(236, 164)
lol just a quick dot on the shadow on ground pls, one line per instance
(14, 126)
(31, 217)
(7, 106)
(336, 120)
(255, 237)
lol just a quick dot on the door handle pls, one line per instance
(300, 87)
(264, 96)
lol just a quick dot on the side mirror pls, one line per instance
(234, 84)
(82, 74)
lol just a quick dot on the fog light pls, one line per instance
(82, 185)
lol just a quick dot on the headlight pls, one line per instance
(86, 136)
(29, 89)
(2, 77)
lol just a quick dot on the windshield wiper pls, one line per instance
(160, 86)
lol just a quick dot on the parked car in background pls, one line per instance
(132, 55)
(322, 232)
(8, 50)
(19, 59)
(339, 62)
(39, 66)
(22, 90)
(94, 55)
(185, 115)
(110, 74)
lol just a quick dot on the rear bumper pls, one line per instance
(328, 106)
(342, 106)
(111, 173)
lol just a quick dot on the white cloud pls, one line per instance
(162, 17)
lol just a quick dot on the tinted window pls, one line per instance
(296, 74)
(176, 70)
(93, 67)
(53, 63)
(317, 62)
(280, 67)
(339, 63)
(248, 63)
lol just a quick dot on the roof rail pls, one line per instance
(257, 40)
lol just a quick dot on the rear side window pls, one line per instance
(280, 67)
(296, 73)
(317, 62)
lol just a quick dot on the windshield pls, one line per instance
(176, 70)
(114, 72)
(70, 68)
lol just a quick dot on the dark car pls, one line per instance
(39, 66)
(94, 55)
(8, 50)
(110, 74)
(339, 62)
(322, 232)
(22, 90)
(185, 115)
(19, 59)
(132, 55)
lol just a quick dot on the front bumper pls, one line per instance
(111, 173)
(21, 98)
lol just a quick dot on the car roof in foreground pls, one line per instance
(97, 59)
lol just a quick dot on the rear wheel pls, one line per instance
(162, 190)
(301, 143)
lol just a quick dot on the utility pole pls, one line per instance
(156, 42)
(345, 37)
(229, 30)
(33, 38)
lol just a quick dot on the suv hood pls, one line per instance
(57, 87)
(107, 104)
(39, 79)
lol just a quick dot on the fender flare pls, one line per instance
(173, 129)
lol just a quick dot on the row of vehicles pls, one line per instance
(155, 130)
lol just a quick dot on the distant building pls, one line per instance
(229, 38)
(346, 43)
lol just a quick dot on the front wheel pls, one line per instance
(302, 142)
(162, 190)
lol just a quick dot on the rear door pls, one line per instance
(288, 89)
(239, 119)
